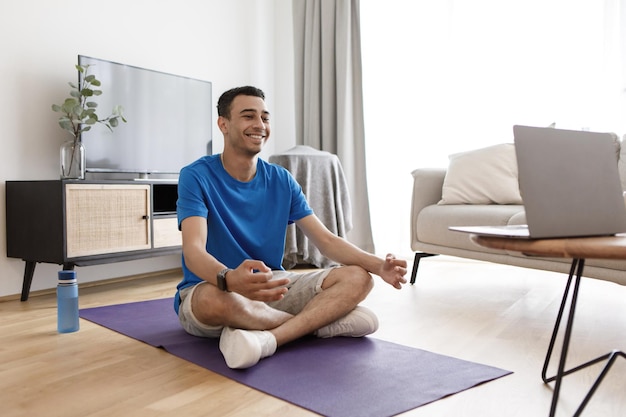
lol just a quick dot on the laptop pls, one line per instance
(569, 183)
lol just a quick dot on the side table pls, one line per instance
(321, 177)
(578, 249)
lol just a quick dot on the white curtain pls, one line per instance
(329, 99)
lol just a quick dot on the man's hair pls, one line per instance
(226, 99)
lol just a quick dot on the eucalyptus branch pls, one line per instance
(78, 113)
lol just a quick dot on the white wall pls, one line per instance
(229, 43)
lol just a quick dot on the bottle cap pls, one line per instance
(67, 277)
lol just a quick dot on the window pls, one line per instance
(441, 77)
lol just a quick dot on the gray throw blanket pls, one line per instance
(321, 177)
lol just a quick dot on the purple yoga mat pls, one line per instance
(347, 377)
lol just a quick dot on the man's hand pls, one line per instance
(393, 271)
(254, 280)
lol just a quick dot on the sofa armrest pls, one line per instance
(427, 187)
(427, 190)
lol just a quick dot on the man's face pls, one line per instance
(249, 126)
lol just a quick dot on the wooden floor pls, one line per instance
(492, 314)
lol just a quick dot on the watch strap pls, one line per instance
(221, 279)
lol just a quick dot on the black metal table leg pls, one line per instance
(575, 272)
(610, 358)
(557, 324)
(567, 336)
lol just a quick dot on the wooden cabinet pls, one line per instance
(106, 218)
(78, 223)
(165, 232)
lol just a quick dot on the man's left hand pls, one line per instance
(393, 271)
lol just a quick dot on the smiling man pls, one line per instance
(233, 211)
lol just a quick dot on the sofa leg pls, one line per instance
(416, 263)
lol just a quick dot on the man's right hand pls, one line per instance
(254, 280)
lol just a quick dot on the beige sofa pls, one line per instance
(480, 188)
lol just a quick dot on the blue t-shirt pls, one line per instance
(245, 220)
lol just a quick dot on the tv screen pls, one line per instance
(169, 120)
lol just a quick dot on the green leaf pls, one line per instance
(69, 105)
(78, 114)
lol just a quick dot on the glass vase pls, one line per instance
(72, 160)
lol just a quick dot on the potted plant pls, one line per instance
(78, 115)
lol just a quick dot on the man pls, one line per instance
(233, 211)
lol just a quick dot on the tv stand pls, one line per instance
(79, 223)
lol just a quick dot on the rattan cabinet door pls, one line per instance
(106, 218)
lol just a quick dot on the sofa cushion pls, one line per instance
(433, 223)
(482, 176)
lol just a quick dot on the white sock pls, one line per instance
(244, 348)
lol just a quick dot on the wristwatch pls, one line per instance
(221, 279)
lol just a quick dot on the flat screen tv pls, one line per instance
(169, 120)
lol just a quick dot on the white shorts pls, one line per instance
(303, 286)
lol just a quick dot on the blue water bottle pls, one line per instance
(67, 302)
